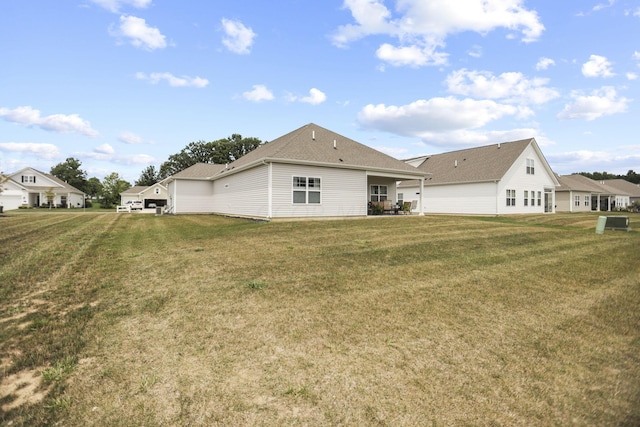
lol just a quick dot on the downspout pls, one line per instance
(421, 197)
(269, 189)
(497, 199)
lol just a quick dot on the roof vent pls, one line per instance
(313, 135)
(335, 146)
(455, 164)
(498, 146)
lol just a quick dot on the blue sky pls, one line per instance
(123, 84)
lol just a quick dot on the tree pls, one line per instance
(148, 177)
(69, 171)
(222, 151)
(93, 187)
(112, 186)
(49, 195)
(3, 179)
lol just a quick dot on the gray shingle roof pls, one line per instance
(199, 171)
(578, 182)
(479, 164)
(627, 187)
(134, 190)
(313, 144)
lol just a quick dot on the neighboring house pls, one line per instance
(625, 187)
(593, 195)
(155, 194)
(577, 193)
(310, 172)
(32, 188)
(506, 178)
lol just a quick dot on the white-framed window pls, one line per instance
(156, 190)
(576, 200)
(29, 179)
(378, 193)
(526, 198)
(533, 198)
(400, 198)
(539, 198)
(587, 200)
(306, 190)
(511, 197)
(530, 167)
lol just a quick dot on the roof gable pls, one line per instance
(313, 144)
(480, 164)
(51, 181)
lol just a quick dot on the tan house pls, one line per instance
(578, 193)
(152, 196)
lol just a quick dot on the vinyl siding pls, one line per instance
(343, 192)
(192, 196)
(244, 193)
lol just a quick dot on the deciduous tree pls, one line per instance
(112, 186)
(222, 151)
(69, 171)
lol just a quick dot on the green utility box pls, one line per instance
(612, 223)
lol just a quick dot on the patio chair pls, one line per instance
(406, 208)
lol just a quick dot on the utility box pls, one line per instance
(158, 211)
(617, 223)
(602, 221)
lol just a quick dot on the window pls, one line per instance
(587, 200)
(539, 198)
(400, 198)
(378, 193)
(526, 198)
(533, 198)
(306, 190)
(511, 197)
(29, 178)
(530, 167)
(576, 200)
(156, 190)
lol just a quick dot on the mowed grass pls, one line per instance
(129, 320)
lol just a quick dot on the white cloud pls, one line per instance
(258, 94)
(184, 81)
(436, 115)
(139, 33)
(45, 151)
(601, 6)
(636, 55)
(597, 66)
(414, 56)
(130, 138)
(422, 27)
(544, 63)
(510, 87)
(239, 38)
(632, 76)
(105, 149)
(61, 123)
(315, 97)
(601, 102)
(475, 51)
(115, 5)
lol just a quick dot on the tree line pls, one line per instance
(631, 176)
(107, 191)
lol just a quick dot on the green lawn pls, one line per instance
(130, 319)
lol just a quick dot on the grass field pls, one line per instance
(130, 320)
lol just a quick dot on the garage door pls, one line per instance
(10, 202)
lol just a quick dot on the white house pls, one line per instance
(309, 172)
(30, 187)
(155, 195)
(498, 179)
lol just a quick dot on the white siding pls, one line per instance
(517, 179)
(244, 193)
(489, 198)
(191, 196)
(343, 192)
(565, 201)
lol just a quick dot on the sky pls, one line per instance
(123, 84)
